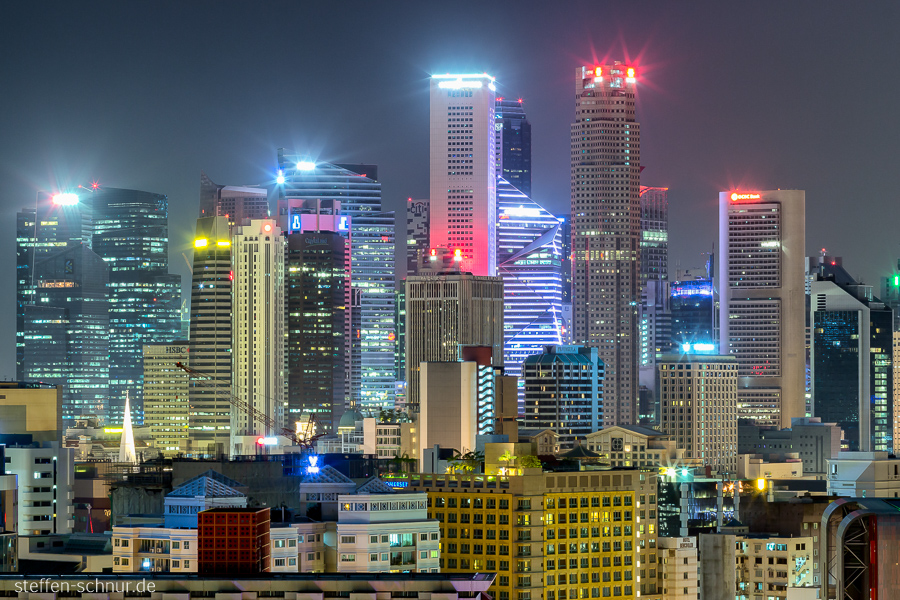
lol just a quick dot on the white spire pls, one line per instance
(127, 453)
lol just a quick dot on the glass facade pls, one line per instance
(530, 263)
(513, 144)
(692, 307)
(316, 287)
(131, 234)
(372, 275)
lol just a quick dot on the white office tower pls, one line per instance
(257, 327)
(762, 301)
(463, 170)
(606, 230)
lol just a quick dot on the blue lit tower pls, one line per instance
(62, 316)
(529, 257)
(63, 219)
(513, 144)
(131, 234)
(372, 276)
(692, 306)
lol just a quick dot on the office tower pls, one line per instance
(513, 145)
(317, 287)
(166, 397)
(418, 232)
(890, 294)
(564, 392)
(529, 257)
(851, 360)
(372, 275)
(210, 338)
(237, 204)
(692, 306)
(257, 331)
(654, 234)
(698, 397)
(131, 233)
(63, 219)
(606, 229)
(762, 300)
(31, 408)
(463, 170)
(400, 320)
(66, 329)
(45, 472)
(445, 314)
(567, 318)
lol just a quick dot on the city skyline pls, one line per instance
(63, 135)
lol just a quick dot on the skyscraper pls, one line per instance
(762, 300)
(258, 329)
(418, 232)
(238, 204)
(66, 329)
(463, 169)
(372, 275)
(692, 307)
(63, 219)
(317, 287)
(131, 234)
(851, 360)
(529, 255)
(564, 392)
(606, 229)
(209, 420)
(447, 313)
(513, 134)
(890, 294)
(654, 234)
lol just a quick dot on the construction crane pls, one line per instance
(306, 442)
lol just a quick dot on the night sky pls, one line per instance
(759, 95)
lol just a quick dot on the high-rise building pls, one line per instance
(31, 408)
(66, 329)
(131, 233)
(63, 219)
(513, 147)
(762, 301)
(166, 398)
(257, 331)
(210, 338)
(45, 472)
(890, 294)
(446, 313)
(698, 397)
(851, 360)
(418, 233)
(606, 229)
(317, 287)
(372, 276)
(654, 233)
(463, 169)
(237, 204)
(529, 257)
(564, 392)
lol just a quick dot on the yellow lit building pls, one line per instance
(547, 535)
(166, 405)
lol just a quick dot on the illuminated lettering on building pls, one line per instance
(58, 284)
(736, 196)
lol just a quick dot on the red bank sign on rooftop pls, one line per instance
(735, 196)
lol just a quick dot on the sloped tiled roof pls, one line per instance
(206, 487)
(374, 486)
(326, 474)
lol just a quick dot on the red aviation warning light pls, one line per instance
(457, 254)
(630, 72)
(598, 72)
